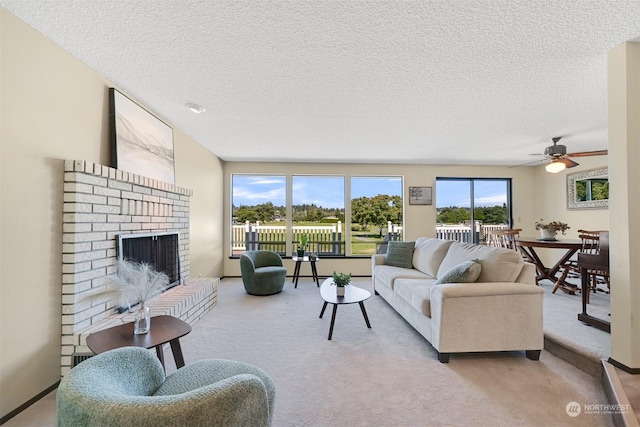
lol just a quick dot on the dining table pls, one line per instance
(528, 246)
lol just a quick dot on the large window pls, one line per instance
(258, 212)
(468, 209)
(376, 213)
(317, 211)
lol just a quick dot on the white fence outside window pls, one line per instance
(329, 239)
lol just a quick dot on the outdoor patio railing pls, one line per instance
(329, 239)
(322, 239)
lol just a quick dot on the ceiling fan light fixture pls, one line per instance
(555, 166)
(195, 108)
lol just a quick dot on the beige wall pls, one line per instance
(56, 108)
(551, 194)
(624, 152)
(551, 198)
(201, 171)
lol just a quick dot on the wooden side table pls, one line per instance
(164, 329)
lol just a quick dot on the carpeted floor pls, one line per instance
(561, 324)
(384, 376)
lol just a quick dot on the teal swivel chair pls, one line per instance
(262, 272)
(128, 387)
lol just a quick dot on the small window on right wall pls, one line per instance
(588, 189)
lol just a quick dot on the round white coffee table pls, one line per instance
(352, 294)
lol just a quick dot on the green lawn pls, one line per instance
(363, 242)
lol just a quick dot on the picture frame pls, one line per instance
(588, 189)
(420, 195)
(140, 142)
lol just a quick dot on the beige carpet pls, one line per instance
(384, 376)
(562, 324)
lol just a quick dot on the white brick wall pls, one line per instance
(99, 203)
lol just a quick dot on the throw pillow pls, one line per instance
(466, 272)
(399, 254)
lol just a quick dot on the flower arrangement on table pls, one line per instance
(552, 226)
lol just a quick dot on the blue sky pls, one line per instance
(457, 193)
(325, 191)
(328, 191)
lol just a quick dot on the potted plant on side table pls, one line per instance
(549, 230)
(341, 280)
(302, 245)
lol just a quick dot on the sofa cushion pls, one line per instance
(416, 293)
(388, 274)
(429, 253)
(399, 254)
(465, 272)
(498, 264)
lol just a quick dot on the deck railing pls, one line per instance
(462, 232)
(329, 239)
(322, 239)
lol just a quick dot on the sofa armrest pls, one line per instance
(496, 316)
(377, 259)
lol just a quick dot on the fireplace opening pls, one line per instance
(159, 250)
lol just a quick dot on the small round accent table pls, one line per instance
(164, 329)
(296, 270)
(352, 294)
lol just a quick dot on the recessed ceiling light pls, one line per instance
(196, 108)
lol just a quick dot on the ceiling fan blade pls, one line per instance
(526, 164)
(568, 162)
(588, 153)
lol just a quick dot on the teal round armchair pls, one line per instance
(127, 387)
(262, 272)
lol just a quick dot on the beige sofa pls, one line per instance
(500, 311)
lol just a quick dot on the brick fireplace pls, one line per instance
(100, 203)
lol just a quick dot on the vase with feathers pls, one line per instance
(131, 287)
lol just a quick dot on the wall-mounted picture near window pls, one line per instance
(420, 196)
(141, 143)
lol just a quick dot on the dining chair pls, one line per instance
(596, 268)
(590, 246)
(505, 237)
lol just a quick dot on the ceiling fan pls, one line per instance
(559, 159)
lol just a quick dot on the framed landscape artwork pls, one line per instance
(420, 196)
(141, 143)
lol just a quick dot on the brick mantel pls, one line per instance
(99, 203)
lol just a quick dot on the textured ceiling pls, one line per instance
(434, 82)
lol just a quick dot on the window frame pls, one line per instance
(289, 240)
